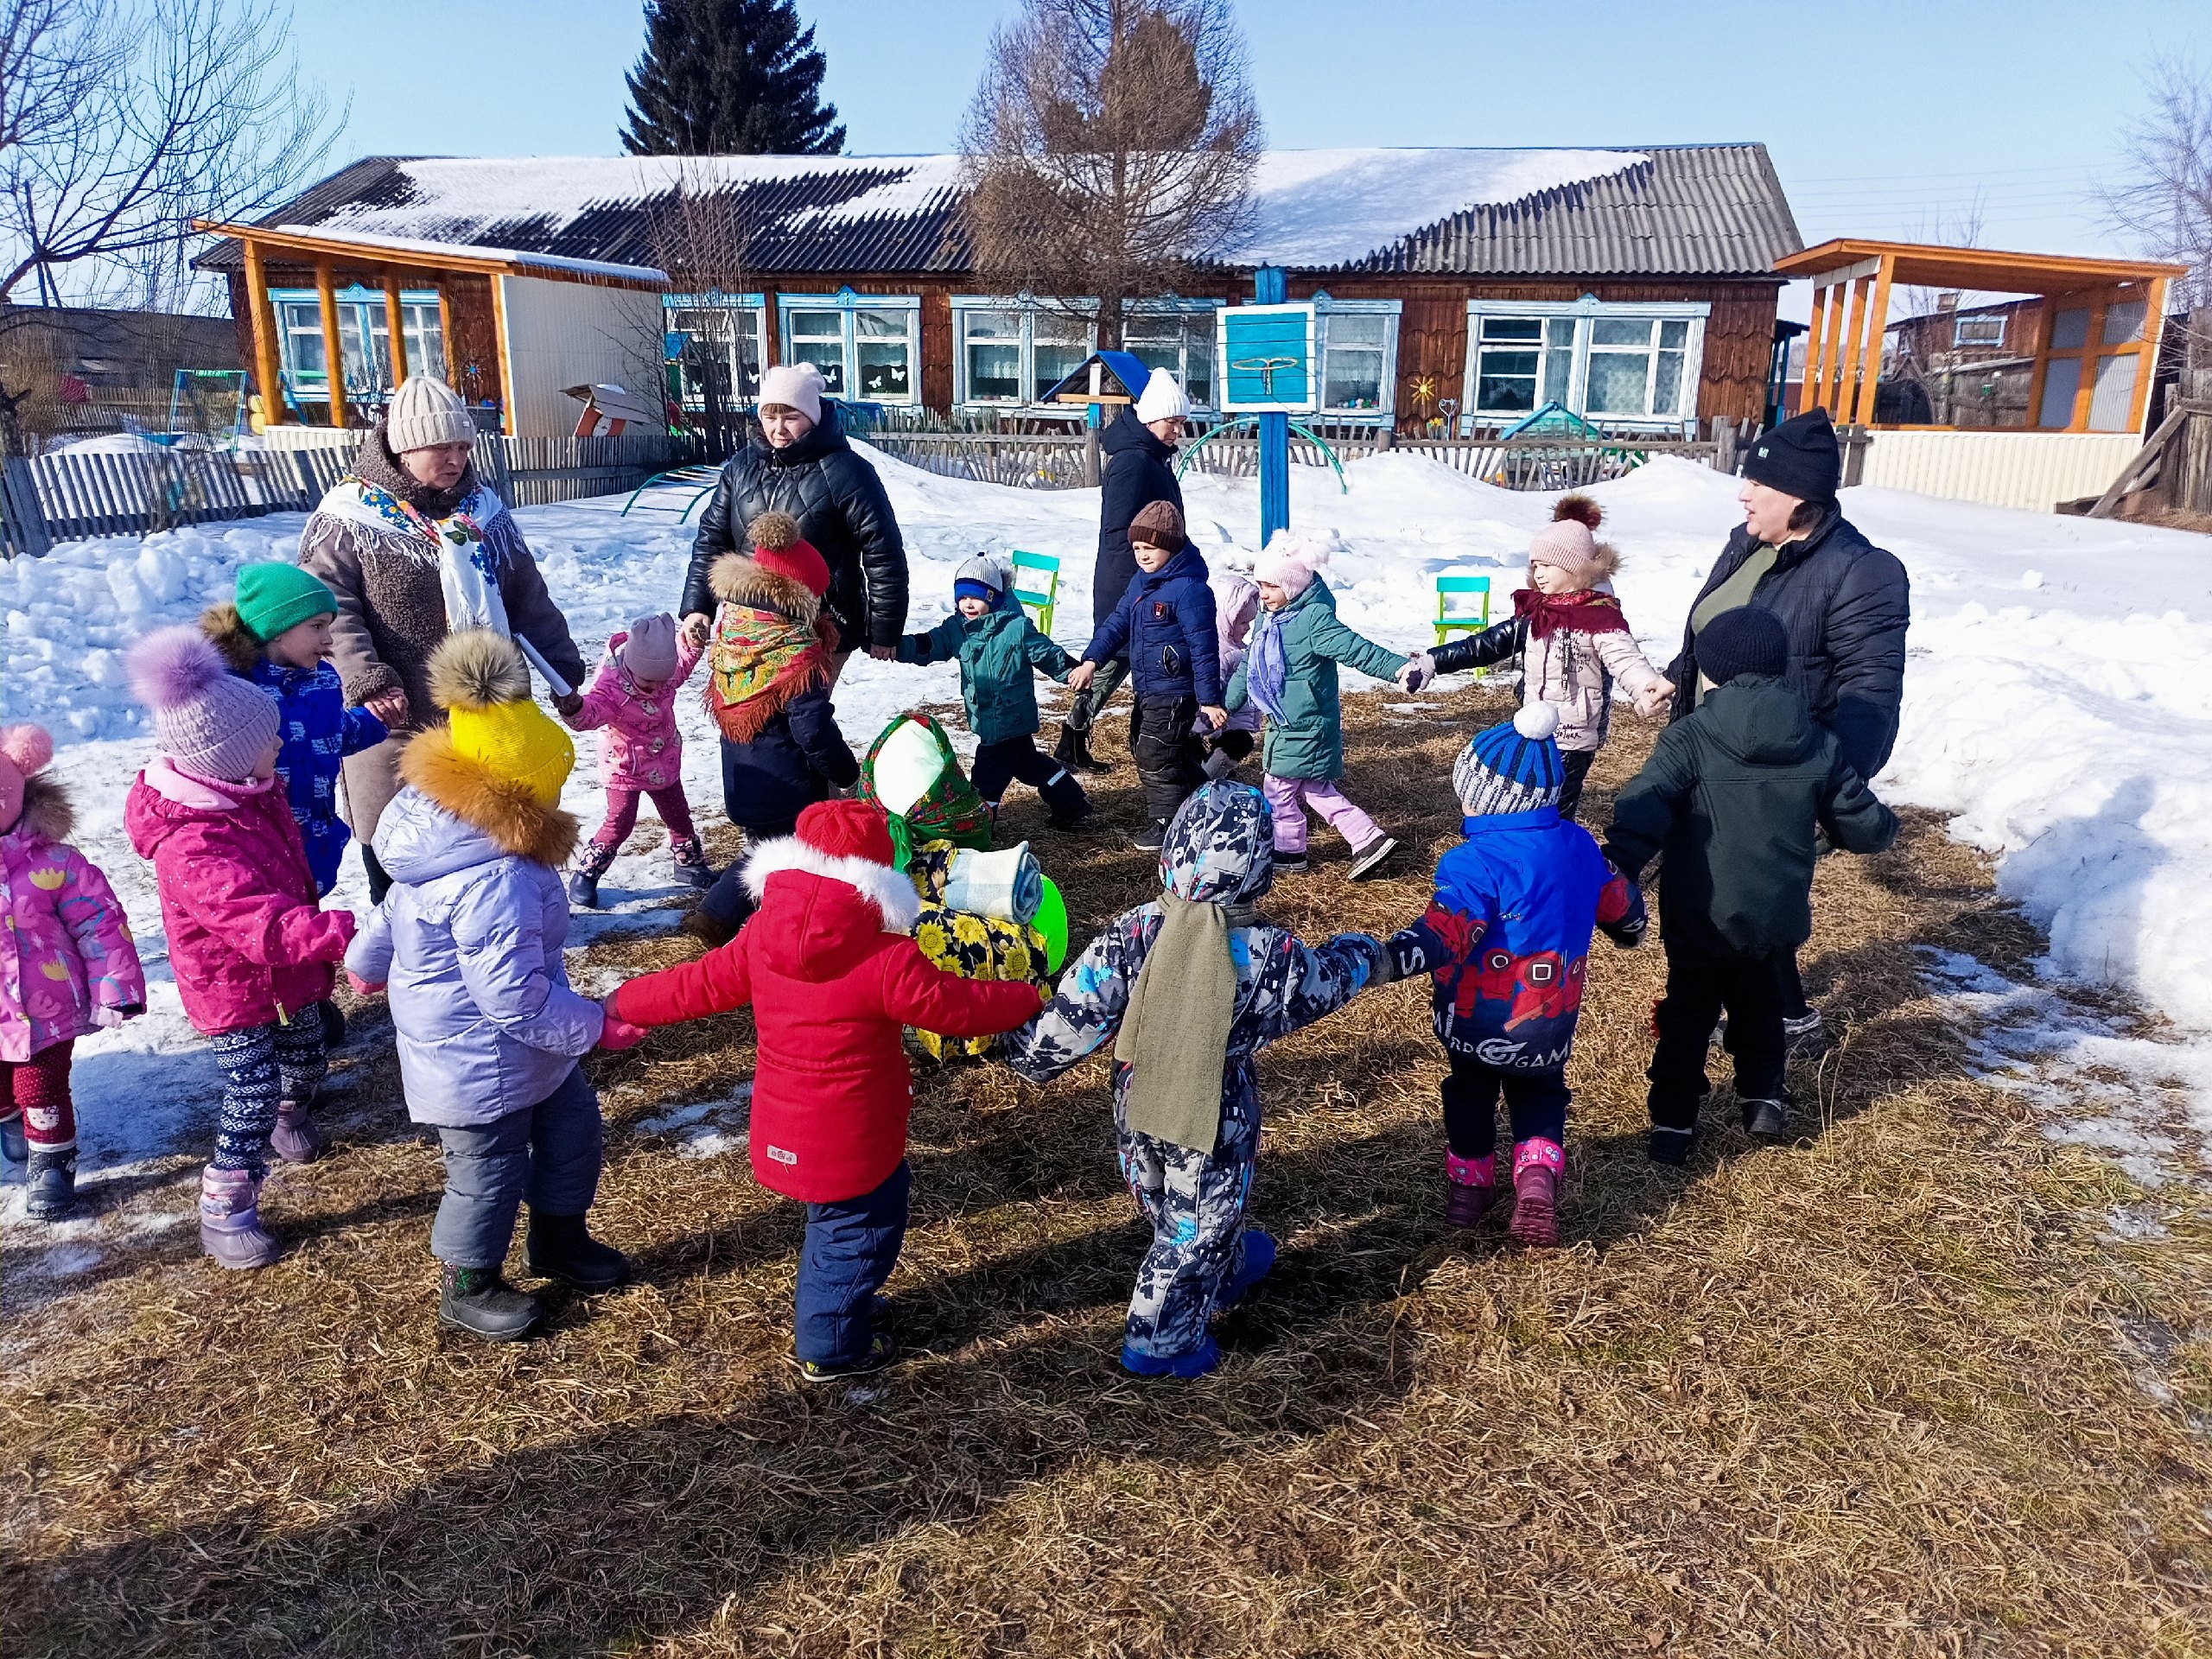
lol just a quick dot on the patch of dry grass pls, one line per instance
(1858, 1395)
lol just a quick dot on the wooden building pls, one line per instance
(1457, 289)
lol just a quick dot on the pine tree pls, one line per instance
(729, 77)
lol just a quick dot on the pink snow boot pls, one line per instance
(1537, 1165)
(1470, 1189)
(230, 1219)
(295, 1139)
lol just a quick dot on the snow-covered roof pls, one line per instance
(1714, 209)
(513, 255)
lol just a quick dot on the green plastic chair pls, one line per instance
(1040, 604)
(1469, 615)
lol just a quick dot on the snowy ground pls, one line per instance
(2058, 703)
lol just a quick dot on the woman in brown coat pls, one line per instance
(414, 548)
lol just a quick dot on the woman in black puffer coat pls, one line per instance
(840, 503)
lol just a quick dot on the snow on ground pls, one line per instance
(2057, 701)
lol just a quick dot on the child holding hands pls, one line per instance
(67, 966)
(251, 953)
(998, 648)
(1573, 640)
(632, 703)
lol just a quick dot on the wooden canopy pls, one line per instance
(394, 259)
(1843, 352)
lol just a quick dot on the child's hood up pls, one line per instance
(821, 915)
(1220, 850)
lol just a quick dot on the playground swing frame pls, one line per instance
(1236, 423)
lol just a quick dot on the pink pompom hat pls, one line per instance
(208, 720)
(23, 750)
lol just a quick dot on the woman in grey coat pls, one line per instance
(468, 942)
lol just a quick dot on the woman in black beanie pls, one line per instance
(1843, 602)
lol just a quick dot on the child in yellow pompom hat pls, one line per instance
(468, 943)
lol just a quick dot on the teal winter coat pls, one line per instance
(997, 652)
(1308, 741)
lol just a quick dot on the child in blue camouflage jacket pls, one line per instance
(1190, 988)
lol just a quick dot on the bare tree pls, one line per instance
(699, 236)
(2163, 198)
(1110, 150)
(122, 120)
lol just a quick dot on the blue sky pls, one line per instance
(1883, 119)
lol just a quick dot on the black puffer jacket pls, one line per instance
(1846, 603)
(1139, 471)
(840, 508)
(1733, 795)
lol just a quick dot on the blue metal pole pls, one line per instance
(1271, 286)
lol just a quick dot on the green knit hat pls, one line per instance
(275, 596)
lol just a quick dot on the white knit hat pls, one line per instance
(1162, 399)
(795, 386)
(424, 411)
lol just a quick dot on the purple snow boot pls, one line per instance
(1470, 1188)
(295, 1139)
(1537, 1165)
(230, 1219)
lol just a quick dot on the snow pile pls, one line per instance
(2056, 701)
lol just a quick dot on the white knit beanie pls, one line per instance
(1162, 399)
(795, 386)
(424, 411)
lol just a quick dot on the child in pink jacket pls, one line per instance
(633, 699)
(67, 966)
(251, 953)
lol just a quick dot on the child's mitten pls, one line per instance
(1420, 670)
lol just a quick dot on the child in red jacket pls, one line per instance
(251, 953)
(829, 971)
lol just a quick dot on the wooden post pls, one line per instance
(2146, 365)
(1870, 367)
(2044, 313)
(266, 362)
(2085, 390)
(445, 335)
(333, 342)
(1846, 389)
(394, 323)
(500, 355)
(1809, 392)
(1830, 347)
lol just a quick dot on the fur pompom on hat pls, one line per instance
(481, 681)
(23, 750)
(1514, 766)
(206, 718)
(778, 547)
(1291, 560)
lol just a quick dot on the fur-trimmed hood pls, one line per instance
(740, 579)
(510, 820)
(49, 814)
(1604, 566)
(892, 892)
(227, 631)
(821, 915)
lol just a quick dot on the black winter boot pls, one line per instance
(334, 1025)
(50, 1183)
(1073, 750)
(559, 1247)
(479, 1301)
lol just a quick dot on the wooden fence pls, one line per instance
(73, 493)
(1048, 460)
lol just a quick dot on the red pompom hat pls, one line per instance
(778, 546)
(847, 830)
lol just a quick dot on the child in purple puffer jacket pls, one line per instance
(67, 966)
(632, 700)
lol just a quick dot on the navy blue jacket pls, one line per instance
(319, 731)
(1166, 623)
(798, 758)
(1138, 472)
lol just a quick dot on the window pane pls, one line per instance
(1616, 381)
(1667, 385)
(426, 345)
(2123, 322)
(1512, 329)
(1673, 336)
(2060, 382)
(1559, 334)
(1352, 380)
(1060, 344)
(2113, 401)
(2069, 330)
(1507, 382)
(1559, 374)
(828, 356)
(994, 372)
(887, 325)
(1198, 365)
(883, 369)
(1620, 331)
(1356, 330)
(818, 325)
(1978, 330)
(1149, 328)
(993, 325)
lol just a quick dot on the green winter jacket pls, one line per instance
(997, 652)
(1308, 741)
(1735, 795)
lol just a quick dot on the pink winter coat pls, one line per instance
(640, 748)
(65, 958)
(1235, 607)
(247, 944)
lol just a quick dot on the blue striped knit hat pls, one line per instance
(1512, 767)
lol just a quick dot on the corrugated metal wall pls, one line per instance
(2034, 470)
(568, 333)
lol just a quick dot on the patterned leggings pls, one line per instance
(263, 1065)
(1196, 1203)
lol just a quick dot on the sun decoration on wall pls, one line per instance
(1425, 393)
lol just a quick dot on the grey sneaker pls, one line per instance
(479, 1301)
(1806, 1035)
(1151, 838)
(1768, 1119)
(1366, 860)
